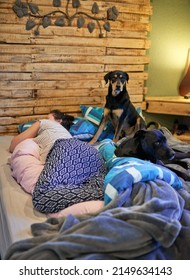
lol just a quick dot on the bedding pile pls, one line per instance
(146, 213)
(124, 171)
(149, 220)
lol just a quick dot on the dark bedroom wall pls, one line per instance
(170, 41)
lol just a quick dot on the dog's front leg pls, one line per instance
(101, 127)
(120, 114)
(117, 133)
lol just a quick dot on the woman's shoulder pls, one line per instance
(51, 125)
(48, 122)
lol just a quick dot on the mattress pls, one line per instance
(16, 209)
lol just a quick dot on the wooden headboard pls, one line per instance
(64, 67)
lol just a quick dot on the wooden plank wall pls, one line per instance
(64, 66)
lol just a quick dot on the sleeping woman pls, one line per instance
(45, 132)
(73, 170)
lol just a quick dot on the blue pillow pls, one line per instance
(24, 126)
(85, 130)
(94, 114)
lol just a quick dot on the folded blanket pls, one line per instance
(125, 171)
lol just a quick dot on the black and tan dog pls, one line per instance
(119, 109)
(152, 145)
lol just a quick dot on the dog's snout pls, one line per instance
(171, 155)
(118, 82)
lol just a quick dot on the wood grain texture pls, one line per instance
(64, 67)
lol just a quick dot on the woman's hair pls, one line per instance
(66, 120)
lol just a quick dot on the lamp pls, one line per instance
(184, 86)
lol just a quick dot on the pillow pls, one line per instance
(23, 126)
(94, 114)
(84, 129)
(80, 208)
(25, 164)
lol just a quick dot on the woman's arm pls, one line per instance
(31, 132)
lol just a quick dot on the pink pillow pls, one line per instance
(25, 164)
(86, 207)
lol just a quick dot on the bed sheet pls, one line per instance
(16, 209)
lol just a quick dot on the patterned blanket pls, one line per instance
(74, 172)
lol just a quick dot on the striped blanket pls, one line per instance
(125, 171)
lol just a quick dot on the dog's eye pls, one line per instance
(113, 80)
(157, 143)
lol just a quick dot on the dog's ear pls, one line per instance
(140, 133)
(127, 148)
(107, 77)
(127, 76)
(161, 130)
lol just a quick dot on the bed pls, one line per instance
(145, 215)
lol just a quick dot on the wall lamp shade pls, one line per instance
(184, 86)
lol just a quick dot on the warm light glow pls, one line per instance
(184, 86)
(177, 57)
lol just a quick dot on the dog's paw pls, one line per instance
(92, 142)
(184, 164)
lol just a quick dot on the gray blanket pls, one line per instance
(147, 221)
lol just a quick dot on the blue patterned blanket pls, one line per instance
(74, 172)
(124, 171)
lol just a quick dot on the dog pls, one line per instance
(152, 145)
(118, 108)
